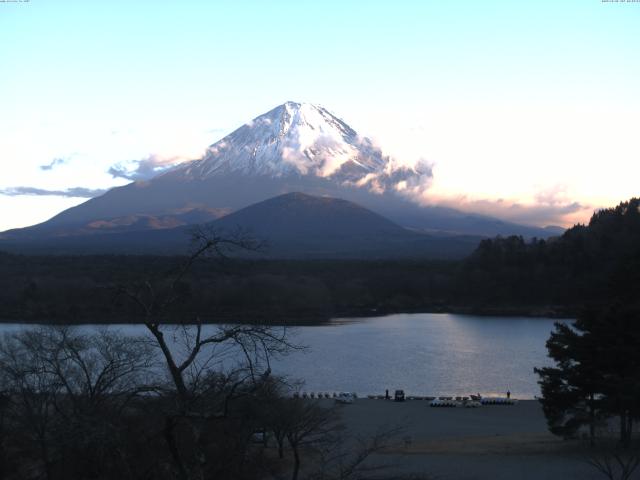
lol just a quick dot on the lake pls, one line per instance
(424, 354)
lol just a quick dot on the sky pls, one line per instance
(526, 110)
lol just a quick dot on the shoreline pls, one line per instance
(293, 320)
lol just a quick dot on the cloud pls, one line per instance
(145, 168)
(54, 163)
(409, 181)
(553, 196)
(69, 192)
(217, 148)
(551, 206)
(258, 121)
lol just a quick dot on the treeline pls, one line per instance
(81, 289)
(588, 264)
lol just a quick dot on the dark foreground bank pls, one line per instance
(497, 442)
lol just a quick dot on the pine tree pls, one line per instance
(597, 373)
(570, 390)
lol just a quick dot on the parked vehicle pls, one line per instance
(399, 396)
(344, 397)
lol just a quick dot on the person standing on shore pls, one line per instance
(386, 394)
(508, 394)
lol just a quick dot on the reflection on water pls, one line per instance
(424, 354)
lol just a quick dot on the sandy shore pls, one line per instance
(496, 442)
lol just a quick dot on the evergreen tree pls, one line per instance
(617, 331)
(570, 390)
(597, 372)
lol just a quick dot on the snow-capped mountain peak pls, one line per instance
(292, 139)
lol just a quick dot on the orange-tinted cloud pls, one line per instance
(548, 207)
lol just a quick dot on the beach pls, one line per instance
(497, 442)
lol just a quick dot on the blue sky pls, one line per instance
(527, 110)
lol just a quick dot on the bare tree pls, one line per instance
(349, 457)
(65, 390)
(614, 463)
(278, 422)
(194, 354)
(31, 393)
(308, 426)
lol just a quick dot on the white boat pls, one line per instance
(443, 402)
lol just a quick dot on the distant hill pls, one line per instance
(293, 225)
(298, 215)
(297, 225)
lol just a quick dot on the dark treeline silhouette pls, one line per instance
(81, 289)
(587, 265)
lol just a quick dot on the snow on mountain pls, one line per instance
(298, 139)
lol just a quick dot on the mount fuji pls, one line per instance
(298, 139)
(296, 147)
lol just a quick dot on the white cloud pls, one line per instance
(74, 192)
(145, 168)
(54, 163)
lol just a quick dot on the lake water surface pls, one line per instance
(424, 354)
